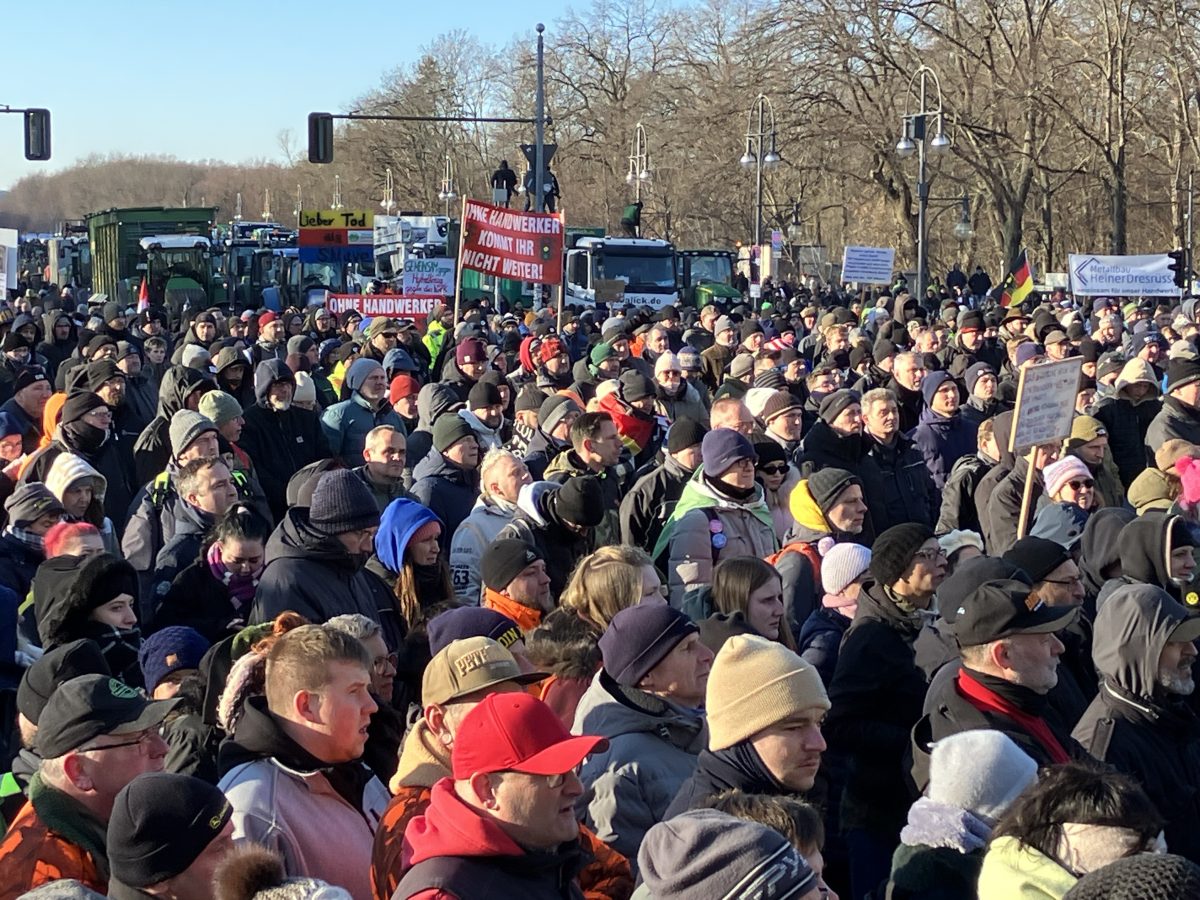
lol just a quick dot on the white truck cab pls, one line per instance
(645, 267)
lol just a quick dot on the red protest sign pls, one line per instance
(514, 245)
(392, 306)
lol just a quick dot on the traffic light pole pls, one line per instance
(1190, 233)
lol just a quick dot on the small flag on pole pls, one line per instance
(1019, 283)
(143, 296)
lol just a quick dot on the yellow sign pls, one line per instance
(336, 218)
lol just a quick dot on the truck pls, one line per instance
(633, 271)
(706, 276)
(168, 248)
(246, 259)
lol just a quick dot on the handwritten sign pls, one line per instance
(429, 277)
(868, 265)
(514, 245)
(393, 306)
(336, 236)
(1045, 403)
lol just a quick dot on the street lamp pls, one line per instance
(299, 204)
(914, 140)
(760, 153)
(795, 230)
(447, 192)
(389, 192)
(337, 192)
(639, 162)
(962, 229)
(266, 204)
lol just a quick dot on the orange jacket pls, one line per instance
(527, 619)
(32, 855)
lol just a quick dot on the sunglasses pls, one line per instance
(775, 469)
(1081, 484)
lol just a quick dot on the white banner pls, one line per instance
(1122, 276)
(8, 258)
(429, 277)
(868, 265)
(1045, 403)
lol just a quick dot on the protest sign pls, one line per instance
(514, 245)
(1045, 403)
(429, 277)
(1122, 276)
(336, 236)
(868, 265)
(393, 306)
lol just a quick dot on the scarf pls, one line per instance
(67, 818)
(986, 699)
(743, 758)
(27, 538)
(841, 603)
(698, 495)
(241, 587)
(119, 647)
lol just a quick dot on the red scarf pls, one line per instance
(985, 700)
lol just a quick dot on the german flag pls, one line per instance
(1019, 283)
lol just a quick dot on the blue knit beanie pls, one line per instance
(722, 448)
(174, 648)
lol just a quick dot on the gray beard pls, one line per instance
(1174, 683)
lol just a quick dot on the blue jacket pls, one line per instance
(820, 637)
(447, 490)
(942, 440)
(346, 425)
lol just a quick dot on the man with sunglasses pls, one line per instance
(95, 735)
(506, 816)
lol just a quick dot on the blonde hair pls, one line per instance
(300, 659)
(735, 579)
(605, 583)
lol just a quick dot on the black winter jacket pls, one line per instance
(908, 491)
(152, 450)
(447, 489)
(648, 504)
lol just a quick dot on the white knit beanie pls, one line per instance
(1055, 475)
(842, 564)
(982, 772)
(756, 683)
(306, 390)
(67, 469)
(953, 541)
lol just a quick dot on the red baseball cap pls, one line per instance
(517, 733)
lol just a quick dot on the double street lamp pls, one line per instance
(447, 193)
(916, 139)
(639, 162)
(760, 153)
(388, 203)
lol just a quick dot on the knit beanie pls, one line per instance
(342, 502)
(464, 622)
(580, 501)
(550, 348)
(833, 404)
(741, 366)
(253, 872)
(300, 343)
(980, 771)
(1085, 429)
(778, 403)
(29, 502)
(755, 683)
(169, 650)
(1057, 474)
(826, 485)
(483, 395)
(769, 452)
(529, 399)
(402, 386)
(639, 637)
(957, 539)
(448, 430)
(186, 426)
(195, 357)
(504, 560)
(705, 854)
(360, 370)
(1143, 876)
(470, 350)
(306, 389)
(553, 409)
(636, 386)
(930, 384)
(79, 405)
(842, 564)
(1181, 372)
(893, 551)
(722, 448)
(667, 362)
(219, 407)
(685, 433)
(1171, 452)
(974, 373)
(601, 352)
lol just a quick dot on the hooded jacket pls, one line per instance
(1099, 550)
(1134, 724)
(312, 574)
(1127, 420)
(280, 442)
(614, 481)
(447, 489)
(942, 441)
(1174, 420)
(825, 448)
(433, 401)
(536, 523)
(1145, 553)
(987, 484)
(1013, 871)
(320, 818)
(646, 506)
(476, 533)
(1004, 507)
(152, 450)
(652, 749)
(958, 494)
(346, 425)
(54, 351)
(453, 851)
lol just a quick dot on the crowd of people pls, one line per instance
(746, 601)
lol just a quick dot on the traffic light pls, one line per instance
(37, 134)
(320, 137)
(1178, 266)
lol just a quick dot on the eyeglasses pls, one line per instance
(775, 469)
(557, 781)
(930, 555)
(1081, 484)
(142, 742)
(381, 664)
(1065, 582)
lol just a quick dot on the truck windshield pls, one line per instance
(711, 268)
(181, 263)
(637, 269)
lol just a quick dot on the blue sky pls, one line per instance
(218, 79)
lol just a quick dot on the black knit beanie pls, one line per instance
(79, 405)
(893, 551)
(685, 433)
(580, 501)
(826, 485)
(1143, 876)
(342, 502)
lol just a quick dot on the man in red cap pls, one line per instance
(272, 339)
(554, 366)
(506, 817)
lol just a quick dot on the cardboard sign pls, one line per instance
(516, 245)
(336, 236)
(868, 265)
(610, 290)
(1122, 276)
(1045, 403)
(393, 306)
(429, 277)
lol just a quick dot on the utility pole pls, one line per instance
(1190, 232)
(539, 118)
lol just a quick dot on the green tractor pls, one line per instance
(706, 276)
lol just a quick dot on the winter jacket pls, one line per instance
(347, 424)
(1100, 551)
(280, 442)
(152, 450)
(1128, 421)
(31, 430)
(1145, 548)
(738, 767)
(653, 746)
(384, 491)
(458, 853)
(824, 448)
(1134, 724)
(196, 599)
(1174, 420)
(18, 564)
(423, 763)
(614, 482)
(687, 404)
(820, 640)
(909, 494)
(535, 522)
(107, 459)
(320, 818)
(312, 574)
(876, 697)
(447, 489)
(1004, 507)
(646, 506)
(156, 515)
(537, 453)
(958, 495)
(910, 404)
(487, 438)
(1013, 871)
(54, 351)
(940, 854)
(714, 364)
(476, 533)
(691, 533)
(943, 440)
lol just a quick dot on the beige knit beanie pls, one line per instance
(755, 683)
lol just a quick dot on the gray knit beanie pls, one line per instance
(220, 407)
(186, 426)
(981, 771)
